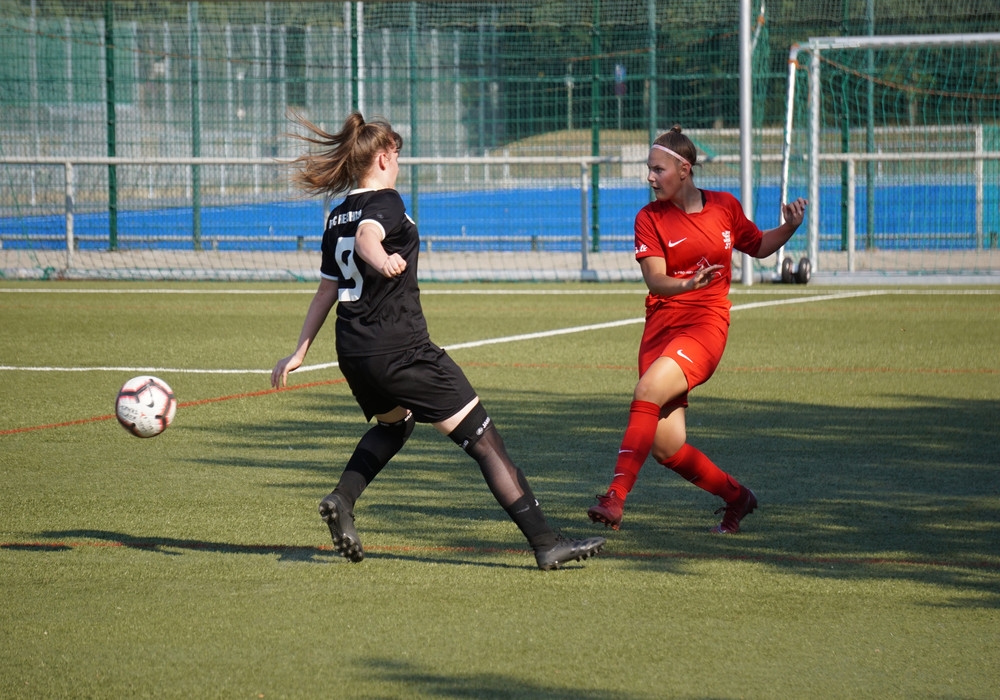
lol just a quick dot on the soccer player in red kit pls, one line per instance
(684, 242)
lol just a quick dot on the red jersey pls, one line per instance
(690, 242)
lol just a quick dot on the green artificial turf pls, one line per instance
(194, 565)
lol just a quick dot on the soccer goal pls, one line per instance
(896, 144)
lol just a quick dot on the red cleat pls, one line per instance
(608, 510)
(735, 512)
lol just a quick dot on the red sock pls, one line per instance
(693, 465)
(636, 444)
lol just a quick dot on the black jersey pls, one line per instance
(375, 315)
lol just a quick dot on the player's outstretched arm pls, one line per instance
(319, 309)
(792, 214)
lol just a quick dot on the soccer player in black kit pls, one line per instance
(397, 375)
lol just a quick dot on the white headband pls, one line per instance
(675, 154)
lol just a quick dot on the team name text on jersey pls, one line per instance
(345, 218)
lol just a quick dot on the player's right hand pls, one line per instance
(393, 266)
(279, 375)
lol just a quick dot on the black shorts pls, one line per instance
(424, 380)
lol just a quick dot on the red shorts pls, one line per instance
(696, 347)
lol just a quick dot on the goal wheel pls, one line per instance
(786, 271)
(804, 273)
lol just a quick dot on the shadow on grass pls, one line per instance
(35, 547)
(289, 553)
(169, 545)
(909, 490)
(480, 685)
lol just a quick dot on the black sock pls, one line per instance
(477, 435)
(528, 516)
(373, 452)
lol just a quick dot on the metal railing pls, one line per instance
(582, 164)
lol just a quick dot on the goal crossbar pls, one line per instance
(899, 41)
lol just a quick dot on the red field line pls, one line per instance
(860, 370)
(263, 392)
(741, 370)
(199, 402)
(32, 428)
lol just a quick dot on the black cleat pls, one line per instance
(340, 519)
(565, 550)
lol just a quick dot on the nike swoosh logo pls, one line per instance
(671, 244)
(621, 452)
(680, 353)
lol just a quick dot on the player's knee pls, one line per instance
(662, 454)
(665, 448)
(401, 429)
(471, 428)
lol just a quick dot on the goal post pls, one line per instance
(927, 110)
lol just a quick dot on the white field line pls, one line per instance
(631, 321)
(150, 370)
(456, 346)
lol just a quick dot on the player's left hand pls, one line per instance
(704, 277)
(794, 212)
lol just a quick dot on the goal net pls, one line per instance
(896, 142)
(147, 140)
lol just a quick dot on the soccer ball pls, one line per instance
(145, 406)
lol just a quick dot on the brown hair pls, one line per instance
(343, 158)
(679, 143)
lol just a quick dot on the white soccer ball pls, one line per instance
(145, 406)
